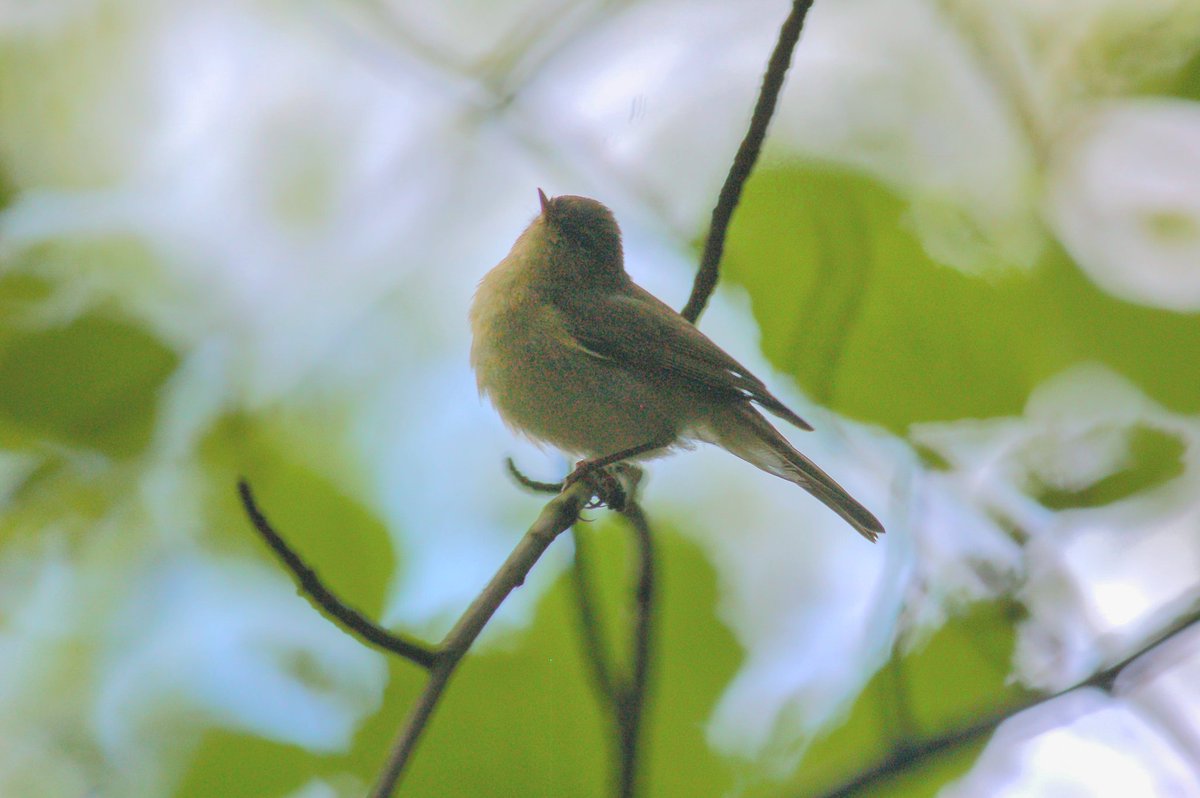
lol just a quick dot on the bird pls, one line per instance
(573, 353)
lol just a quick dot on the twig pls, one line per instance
(631, 704)
(531, 484)
(907, 755)
(590, 628)
(441, 661)
(743, 161)
(311, 585)
(626, 695)
(556, 517)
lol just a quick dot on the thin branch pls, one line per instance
(625, 695)
(631, 706)
(908, 755)
(556, 517)
(311, 585)
(897, 710)
(590, 627)
(744, 160)
(629, 699)
(905, 756)
(527, 482)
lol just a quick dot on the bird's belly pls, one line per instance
(557, 393)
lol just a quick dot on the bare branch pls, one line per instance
(908, 755)
(624, 694)
(311, 585)
(529, 483)
(744, 160)
(590, 627)
(632, 699)
(556, 517)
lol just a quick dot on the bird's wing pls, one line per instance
(635, 330)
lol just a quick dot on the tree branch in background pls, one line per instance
(624, 694)
(556, 517)
(630, 699)
(311, 585)
(910, 755)
(441, 661)
(744, 160)
(591, 629)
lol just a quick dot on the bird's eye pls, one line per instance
(580, 235)
(583, 237)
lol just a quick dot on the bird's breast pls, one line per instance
(548, 386)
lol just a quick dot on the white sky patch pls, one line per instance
(1098, 579)
(1081, 744)
(897, 90)
(235, 645)
(1124, 197)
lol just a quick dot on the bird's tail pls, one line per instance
(745, 433)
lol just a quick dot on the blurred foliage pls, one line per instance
(521, 717)
(848, 301)
(956, 677)
(347, 544)
(1155, 458)
(92, 383)
(872, 327)
(7, 189)
(1188, 82)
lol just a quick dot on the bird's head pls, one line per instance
(582, 237)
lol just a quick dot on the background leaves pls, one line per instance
(239, 240)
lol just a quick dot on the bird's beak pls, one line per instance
(544, 199)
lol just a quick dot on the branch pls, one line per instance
(908, 755)
(626, 695)
(590, 628)
(628, 698)
(311, 585)
(441, 661)
(557, 516)
(531, 484)
(744, 160)
(630, 701)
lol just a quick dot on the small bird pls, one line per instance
(573, 353)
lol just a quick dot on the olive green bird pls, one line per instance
(573, 353)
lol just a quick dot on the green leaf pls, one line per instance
(1187, 84)
(93, 383)
(850, 303)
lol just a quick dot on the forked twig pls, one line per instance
(556, 517)
(441, 661)
(624, 693)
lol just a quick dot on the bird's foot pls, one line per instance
(612, 484)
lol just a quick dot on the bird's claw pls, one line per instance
(607, 490)
(607, 486)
